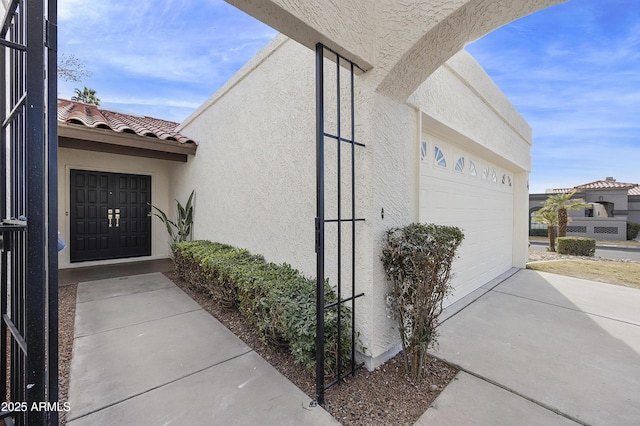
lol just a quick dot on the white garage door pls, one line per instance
(465, 190)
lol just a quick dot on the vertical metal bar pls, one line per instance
(4, 348)
(353, 225)
(15, 135)
(52, 207)
(36, 213)
(339, 222)
(320, 223)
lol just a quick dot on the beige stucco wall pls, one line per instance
(254, 173)
(89, 160)
(400, 42)
(461, 101)
(634, 209)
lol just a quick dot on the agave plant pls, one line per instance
(180, 230)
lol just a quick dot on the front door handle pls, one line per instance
(110, 216)
(117, 218)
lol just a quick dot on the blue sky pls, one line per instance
(572, 70)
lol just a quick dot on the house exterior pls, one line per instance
(440, 143)
(457, 153)
(612, 205)
(110, 165)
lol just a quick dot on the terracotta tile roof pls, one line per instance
(609, 183)
(606, 184)
(91, 116)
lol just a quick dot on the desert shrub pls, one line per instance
(577, 246)
(538, 232)
(632, 230)
(417, 260)
(277, 299)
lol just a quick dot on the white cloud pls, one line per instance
(572, 71)
(157, 54)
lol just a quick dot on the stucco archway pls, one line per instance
(402, 42)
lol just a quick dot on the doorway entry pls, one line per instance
(110, 215)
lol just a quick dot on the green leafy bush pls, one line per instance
(417, 260)
(277, 299)
(538, 232)
(577, 246)
(632, 230)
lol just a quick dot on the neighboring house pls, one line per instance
(110, 165)
(612, 205)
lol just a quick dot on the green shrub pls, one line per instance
(538, 232)
(277, 299)
(417, 260)
(632, 230)
(577, 246)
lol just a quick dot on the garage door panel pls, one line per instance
(482, 208)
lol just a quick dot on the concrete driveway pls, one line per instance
(542, 349)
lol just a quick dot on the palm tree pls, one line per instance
(88, 96)
(562, 203)
(549, 217)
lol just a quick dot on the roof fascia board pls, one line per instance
(104, 136)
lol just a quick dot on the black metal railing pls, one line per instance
(340, 138)
(28, 214)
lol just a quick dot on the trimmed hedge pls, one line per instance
(577, 246)
(277, 299)
(632, 230)
(538, 232)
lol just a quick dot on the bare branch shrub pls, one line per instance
(417, 260)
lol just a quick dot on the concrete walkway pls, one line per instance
(542, 349)
(534, 349)
(147, 354)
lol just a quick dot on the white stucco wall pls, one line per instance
(254, 173)
(89, 160)
(461, 102)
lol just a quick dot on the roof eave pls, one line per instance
(123, 142)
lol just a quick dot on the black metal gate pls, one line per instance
(342, 122)
(28, 203)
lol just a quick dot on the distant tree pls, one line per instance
(561, 203)
(70, 68)
(88, 96)
(548, 216)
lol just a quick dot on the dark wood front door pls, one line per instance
(109, 215)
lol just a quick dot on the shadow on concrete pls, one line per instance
(93, 273)
(567, 345)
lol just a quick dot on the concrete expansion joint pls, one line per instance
(185, 376)
(568, 308)
(125, 294)
(80, 336)
(521, 395)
